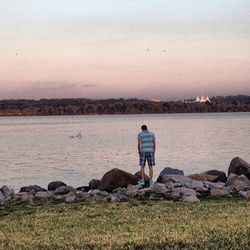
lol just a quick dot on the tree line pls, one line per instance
(83, 106)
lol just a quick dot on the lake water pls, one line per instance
(37, 150)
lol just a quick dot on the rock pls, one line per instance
(179, 193)
(175, 179)
(2, 197)
(70, 197)
(64, 190)
(82, 196)
(95, 191)
(55, 184)
(93, 184)
(32, 189)
(84, 189)
(170, 186)
(58, 197)
(219, 192)
(211, 185)
(190, 198)
(239, 166)
(42, 195)
(230, 189)
(25, 197)
(221, 176)
(159, 188)
(132, 190)
(7, 191)
(240, 182)
(117, 197)
(203, 191)
(245, 194)
(156, 196)
(175, 185)
(203, 177)
(116, 178)
(193, 184)
(104, 193)
(120, 190)
(144, 192)
(169, 171)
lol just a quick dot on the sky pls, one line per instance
(153, 49)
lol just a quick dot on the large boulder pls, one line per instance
(116, 178)
(221, 176)
(239, 166)
(55, 184)
(93, 184)
(203, 177)
(239, 182)
(169, 171)
(32, 189)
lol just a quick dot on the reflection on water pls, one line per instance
(37, 150)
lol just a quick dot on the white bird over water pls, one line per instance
(79, 135)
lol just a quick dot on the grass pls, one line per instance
(210, 224)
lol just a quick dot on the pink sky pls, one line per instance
(116, 49)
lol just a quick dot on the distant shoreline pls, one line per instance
(63, 107)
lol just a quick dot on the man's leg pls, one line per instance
(150, 172)
(142, 164)
(142, 172)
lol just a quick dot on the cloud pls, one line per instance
(50, 89)
(88, 85)
(52, 85)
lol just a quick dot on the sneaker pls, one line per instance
(151, 184)
(141, 182)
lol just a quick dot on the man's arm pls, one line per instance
(139, 146)
(154, 144)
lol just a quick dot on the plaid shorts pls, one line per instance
(147, 156)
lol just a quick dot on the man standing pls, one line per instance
(146, 150)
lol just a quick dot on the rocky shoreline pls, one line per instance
(117, 185)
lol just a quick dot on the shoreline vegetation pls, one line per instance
(83, 106)
(209, 210)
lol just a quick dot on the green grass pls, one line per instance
(210, 224)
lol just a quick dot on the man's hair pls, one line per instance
(144, 127)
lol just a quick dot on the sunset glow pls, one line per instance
(148, 49)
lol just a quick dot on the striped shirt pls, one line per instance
(146, 139)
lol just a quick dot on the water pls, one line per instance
(37, 150)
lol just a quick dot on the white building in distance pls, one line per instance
(202, 99)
